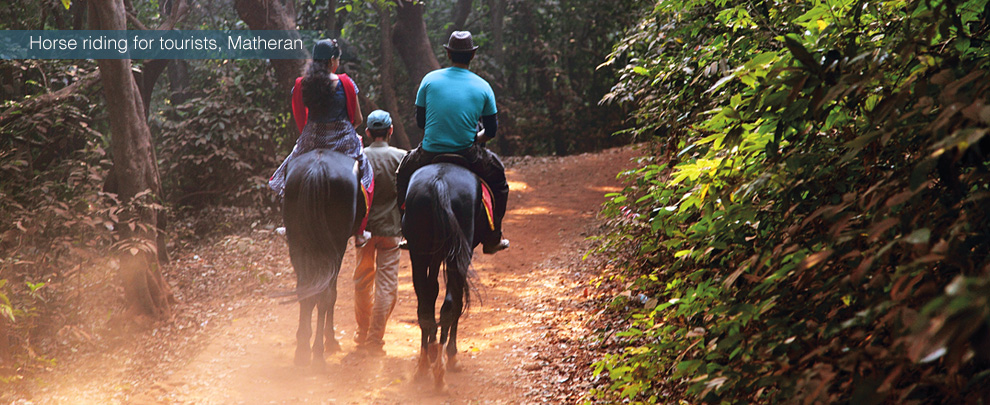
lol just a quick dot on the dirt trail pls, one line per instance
(512, 342)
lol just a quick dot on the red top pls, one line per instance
(300, 112)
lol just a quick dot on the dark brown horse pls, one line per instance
(320, 210)
(442, 224)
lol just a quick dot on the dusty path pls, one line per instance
(513, 342)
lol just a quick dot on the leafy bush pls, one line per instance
(812, 226)
(222, 145)
(53, 216)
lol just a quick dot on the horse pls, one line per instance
(442, 224)
(320, 210)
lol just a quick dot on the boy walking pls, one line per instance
(376, 276)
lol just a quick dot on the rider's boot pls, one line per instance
(361, 238)
(494, 244)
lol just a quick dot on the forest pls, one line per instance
(806, 221)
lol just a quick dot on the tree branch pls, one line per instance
(134, 20)
(179, 10)
(50, 98)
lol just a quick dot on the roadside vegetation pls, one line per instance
(811, 225)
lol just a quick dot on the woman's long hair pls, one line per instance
(317, 91)
(316, 87)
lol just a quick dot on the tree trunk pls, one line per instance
(178, 81)
(410, 39)
(145, 290)
(290, 9)
(271, 15)
(497, 10)
(78, 10)
(332, 20)
(462, 9)
(387, 69)
(146, 79)
(544, 75)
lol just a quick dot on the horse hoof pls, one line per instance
(319, 365)
(432, 351)
(302, 358)
(333, 346)
(453, 365)
(422, 367)
(420, 376)
(439, 372)
(442, 388)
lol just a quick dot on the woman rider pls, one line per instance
(325, 108)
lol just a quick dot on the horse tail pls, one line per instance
(455, 249)
(314, 221)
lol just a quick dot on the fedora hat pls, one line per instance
(460, 41)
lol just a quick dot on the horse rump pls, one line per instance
(319, 211)
(440, 217)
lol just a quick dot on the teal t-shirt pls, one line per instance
(455, 99)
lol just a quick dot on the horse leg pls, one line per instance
(445, 324)
(319, 363)
(332, 345)
(452, 364)
(304, 331)
(426, 288)
(439, 367)
(450, 313)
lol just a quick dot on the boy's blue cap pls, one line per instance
(379, 119)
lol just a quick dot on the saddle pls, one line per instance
(486, 191)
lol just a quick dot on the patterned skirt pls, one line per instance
(338, 136)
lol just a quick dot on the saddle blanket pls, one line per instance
(486, 200)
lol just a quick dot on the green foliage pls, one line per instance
(812, 224)
(51, 173)
(550, 85)
(543, 71)
(53, 214)
(221, 146)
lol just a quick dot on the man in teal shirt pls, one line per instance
(457, 98)
(449, 104)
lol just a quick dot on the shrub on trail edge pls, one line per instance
(812, 226)
(221, 146)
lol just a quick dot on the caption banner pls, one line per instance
(151, 44)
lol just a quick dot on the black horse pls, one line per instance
(320, 210)
(442, 224)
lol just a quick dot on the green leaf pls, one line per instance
(34, 286)
(801, 53)
(719, 83)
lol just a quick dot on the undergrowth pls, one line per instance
(811, 226)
